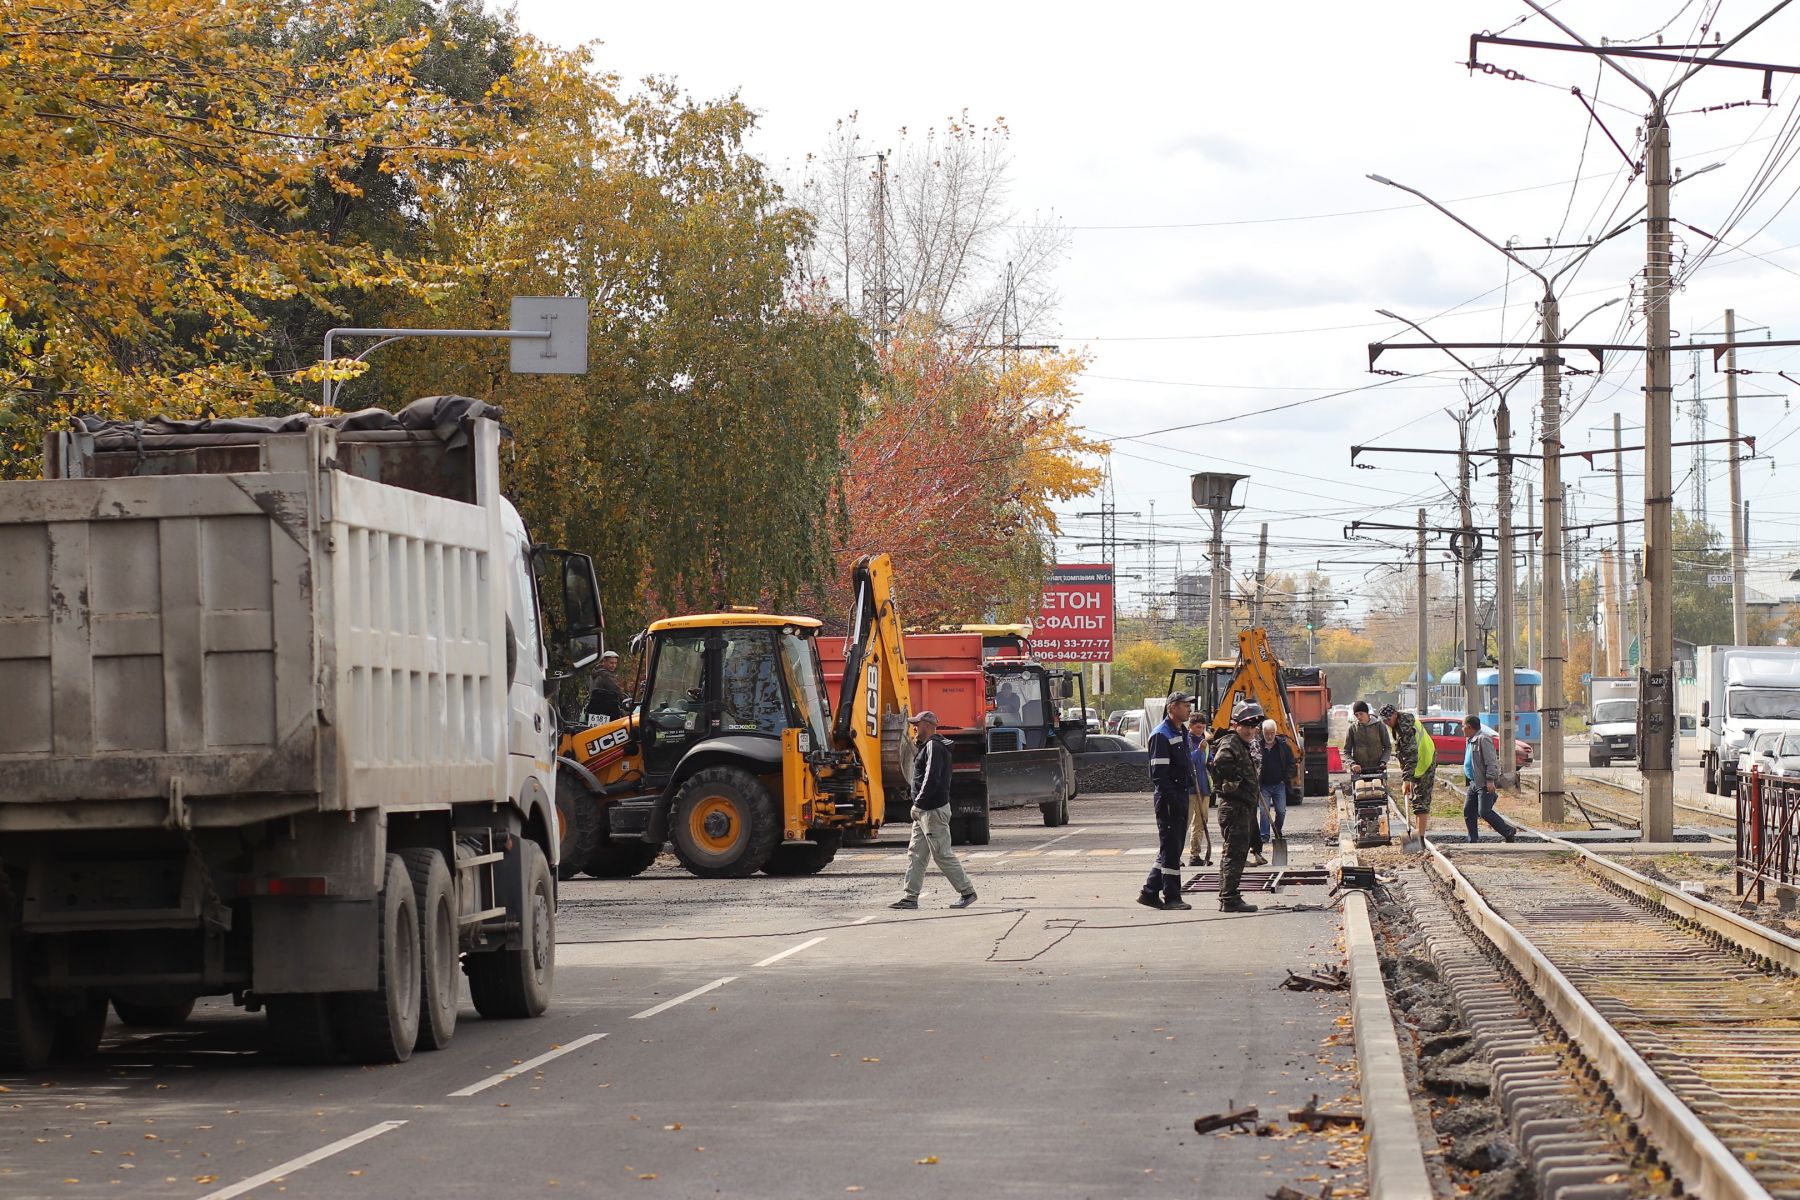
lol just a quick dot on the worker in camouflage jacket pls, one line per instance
(1236, 781)
(1418, 762)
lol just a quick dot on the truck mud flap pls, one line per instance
(1025, 777)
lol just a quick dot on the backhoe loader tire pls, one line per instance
(159, 1014)
(581, 826)
(620, 860)
(800, 858)
(440, 949)
(515, 984)
(1056, 814)
(724, 824)
(381, 1026)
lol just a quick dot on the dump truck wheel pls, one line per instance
(800, 858)
(971, 830)
(724, 823)
(79, 1029)
(440, 966)
(301, 1029)
(27, 1024)
(159, 1014)
(383, 1025)
(514, 984)
(581, 826)
(620, 860)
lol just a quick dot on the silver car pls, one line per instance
(1774, 753)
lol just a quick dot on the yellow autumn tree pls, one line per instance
(158, 154)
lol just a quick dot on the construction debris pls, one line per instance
(1316, 1118)
(1241, 1119)
(1332, 979)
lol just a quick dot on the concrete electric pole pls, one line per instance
(1658, 821)
(1262, 575)
(1465, 555)
(1211, 491)
(1740, 625)
(1422, 697)
(1621, 589)
(1503, 585)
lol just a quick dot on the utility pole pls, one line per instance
(1531, 603)
(1503, 584)
(1550, 666)
(1212, 491)
(1621, 590)
(1658, 821)
(1740, 625)
(1471, 655)
(1422, 698)
(1262, 575)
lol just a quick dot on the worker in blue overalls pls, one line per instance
(1172, 778)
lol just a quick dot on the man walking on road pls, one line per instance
(1418, 762)
(931, 818)
(1481, 767)
(1172, 777)
(1235, 782)
(1277, 769)
(1367, 745)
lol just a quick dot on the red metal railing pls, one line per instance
(1768, 832)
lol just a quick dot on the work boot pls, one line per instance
(1236, 905)
(1176, 903)
(1194, 860)
(963, 901)
(1257, 859)
(905, 902)
(1510, 835)
(1150, 900)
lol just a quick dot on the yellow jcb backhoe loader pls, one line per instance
(732, 754)
(1217, 687)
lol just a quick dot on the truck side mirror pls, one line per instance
(581, 606)
(1705, 717)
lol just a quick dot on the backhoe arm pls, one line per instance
(875, 698)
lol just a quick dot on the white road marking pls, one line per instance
(530, 1064)
(865, 920)
(987, 854)
(666, 1005)
(305, 1160)
(1143, 850)
(1055, 840)
(1066, 853)
(775, 958)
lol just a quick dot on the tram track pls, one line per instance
(1689, 1013)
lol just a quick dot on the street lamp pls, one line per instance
(1212, 491)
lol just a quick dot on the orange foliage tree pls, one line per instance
(953, 468)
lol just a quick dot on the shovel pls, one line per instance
(1411, 843)
(1277, 843)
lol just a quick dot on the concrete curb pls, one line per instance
(1396, 1157)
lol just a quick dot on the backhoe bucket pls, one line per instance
(1020, 777)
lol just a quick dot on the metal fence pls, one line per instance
(1768, 833)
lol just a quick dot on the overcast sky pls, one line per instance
(1228, 253)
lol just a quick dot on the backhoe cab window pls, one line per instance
(751, 678)
(800, 665)
(680, 685)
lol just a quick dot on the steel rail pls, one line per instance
(1694, 1152)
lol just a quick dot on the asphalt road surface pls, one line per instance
(781, 1037)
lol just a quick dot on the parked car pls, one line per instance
(1133, 726)
(1774, 752)
(1086, 715)
(1447, 735)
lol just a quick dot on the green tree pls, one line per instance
(1702, 609)
(1140, 670)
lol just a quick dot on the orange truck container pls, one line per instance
(944, 671)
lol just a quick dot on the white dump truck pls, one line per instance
(275, 723)
(1744, 690)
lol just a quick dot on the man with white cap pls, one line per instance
(607, 698)
(931, 818)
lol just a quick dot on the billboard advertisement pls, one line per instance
(1076, 624)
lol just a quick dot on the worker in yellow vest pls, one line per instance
(1418, 762)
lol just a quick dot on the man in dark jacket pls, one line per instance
(1277, 770)
(1172, 778)
(1367, 745)
(607, 698)
(1236, 783)
(1481, 767)
(931, 818)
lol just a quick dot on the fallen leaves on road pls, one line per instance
(676, 1125)
(206, 1179)
(871, 1060)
